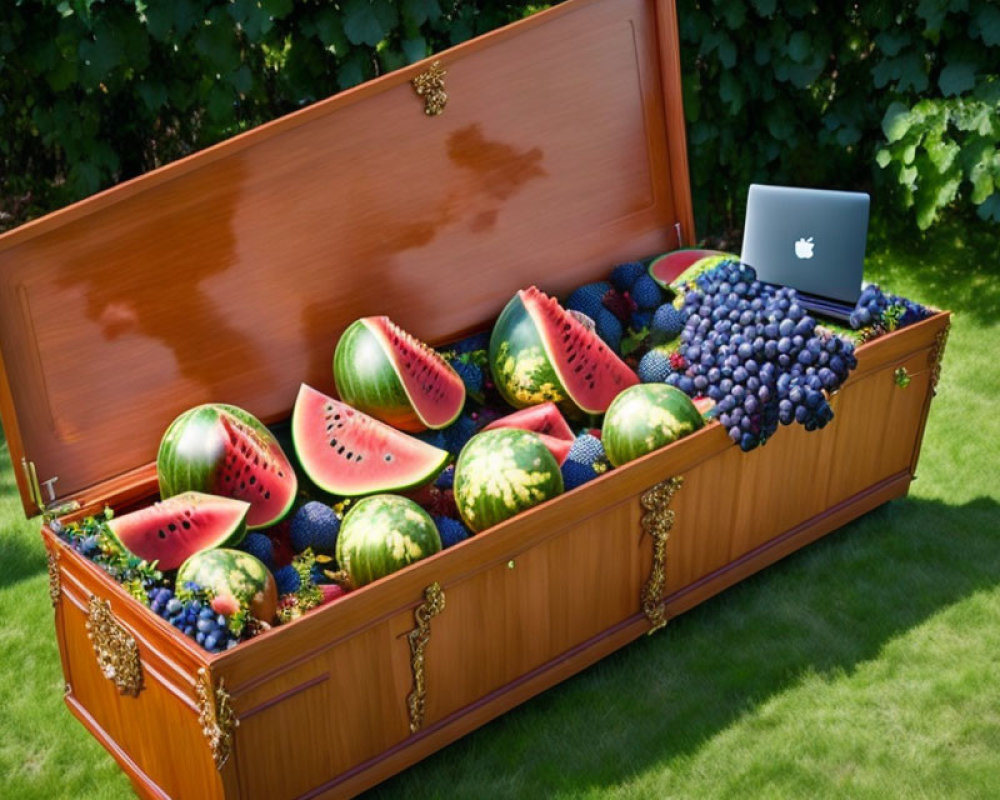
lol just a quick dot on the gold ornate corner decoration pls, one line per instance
(55, 586)
(430, 86)
(902, 377)
(216, 716)
(116, 650)
(657, 520)
(419, 637)
(936, 354)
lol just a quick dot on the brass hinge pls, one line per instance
(216, 715)
(31, 476)
(47, 506)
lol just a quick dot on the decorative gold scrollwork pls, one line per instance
(902, 377)
(55, 586)
(657, 520)
(117, 652)
(430, 86)
(216, 716)
(936, 354)
(419, 637)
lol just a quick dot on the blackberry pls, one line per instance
(458, 433)
(587, 449)
(471, 375)
(654, 366)
(288, 580)
(609, 329)
(315, 525)
(451, 530)
(624, 275)
(667, 324)
(646, 292)
(259, 545)
(447, 478)
(576, 474)
(587, 299)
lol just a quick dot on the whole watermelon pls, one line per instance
(384, 533)
(502, 472)
(645, 418)
(236, 574)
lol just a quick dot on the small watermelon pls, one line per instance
(171, 531)
(666, 269)
(701, 266)
(384, 371)
(233, 573)
(645, 418)
(347, 453)
(502, 472)
(539, 353)
(224, 450)
(382, 534)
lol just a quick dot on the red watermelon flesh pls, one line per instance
(171, 531)
(348, 453)
(592, 374)
(435, 390)
(543, 418)
(665, 269)
(547, 421)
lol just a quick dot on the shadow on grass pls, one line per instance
(953, 265)
(825, 610)
(21, 553)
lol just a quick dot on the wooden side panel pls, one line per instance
(334, 711)
(506, 621)
(157, 731)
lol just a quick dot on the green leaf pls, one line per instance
(252, 18)
(277, 8)
(351, 71)
(983, 184)
(734, 14)
(892, 41)
(414, 49)
(727, 53)
(765, 8)
(330, 28)
(883, 157)
(242, 79)
(907, 70)
(933, 13)
(99, 56)
(417, 12)
(909, 153)
(780, 122)
(153, 94)
(942, 154)
(957, 78)
(989, 209)
(731, 91)
(799, 46)
(368, 21)
(896, 121)
(986, 24)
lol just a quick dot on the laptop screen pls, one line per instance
(812, 240)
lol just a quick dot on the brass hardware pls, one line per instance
(116, 650)
(50, 489)
(55, 588)
(510, 564)
(936, 354)
(419, 637)
(34, 490)
(902, 377)
(430, 86)
(657, 520)
(216, 717)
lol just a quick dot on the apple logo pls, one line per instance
(804, 248)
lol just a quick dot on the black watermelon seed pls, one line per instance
(162, 535)
(267, 495)
(186, 524)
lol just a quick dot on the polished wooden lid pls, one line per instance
(229, 275)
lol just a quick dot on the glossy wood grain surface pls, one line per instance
(228, 277)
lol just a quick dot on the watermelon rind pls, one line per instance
(667, 268)
(501, 473)
(348, 453)
(372, 366)
(172, 530)
(225, 571)
(533, 347)
(382, 534)
(645, 418)
(221, 449)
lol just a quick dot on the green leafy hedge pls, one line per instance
(903, 99)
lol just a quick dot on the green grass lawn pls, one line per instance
(867, 665)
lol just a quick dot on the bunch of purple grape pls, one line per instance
(194, 618)
(890, 311)
(755, 351)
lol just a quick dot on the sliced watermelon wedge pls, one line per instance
(171, 531)
(384, 371)
(666, 269)
(348, 453)
(547, 421)
(591, 373)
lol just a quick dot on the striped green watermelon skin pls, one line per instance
(232, 572)
(384, 533)
(222, 449)
(645, 418)
(384, 371)
(171, 531)
(502, 472)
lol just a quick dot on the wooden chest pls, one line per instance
(228, 277)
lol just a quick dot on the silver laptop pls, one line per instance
(812, 240)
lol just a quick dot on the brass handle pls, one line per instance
(657, 520)
(116, 650)
(419, 637)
